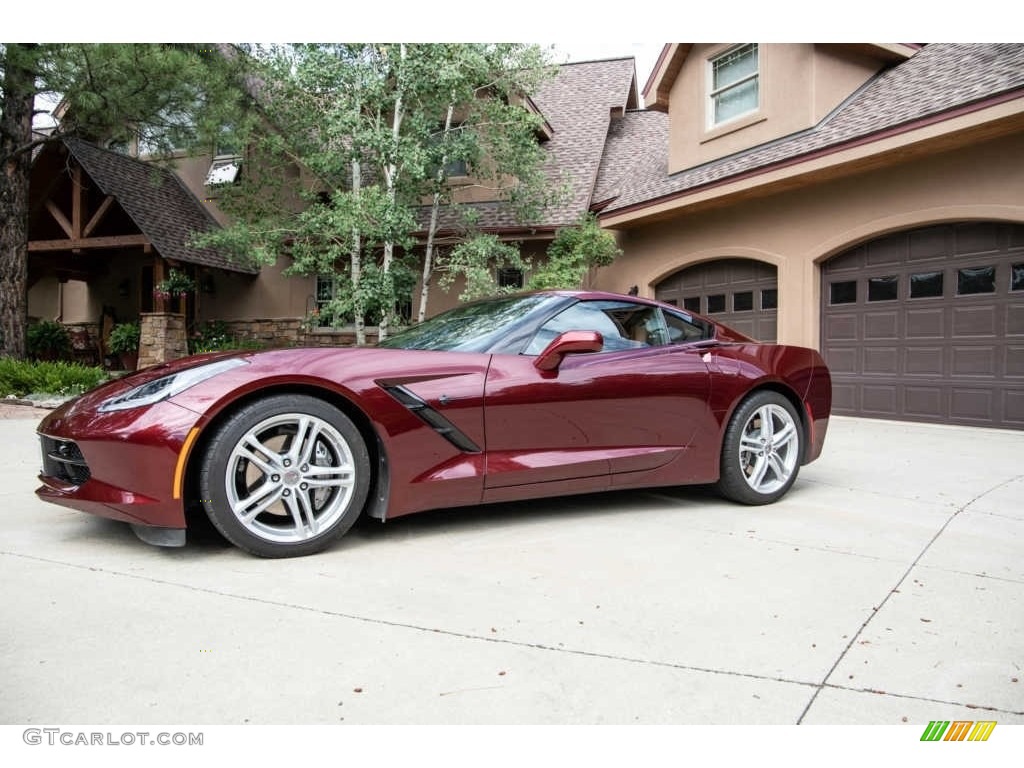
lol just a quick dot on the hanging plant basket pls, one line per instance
(176, 284)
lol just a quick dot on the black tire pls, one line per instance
(762, 450)
(275, 493)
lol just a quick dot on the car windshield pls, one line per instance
(472, 327)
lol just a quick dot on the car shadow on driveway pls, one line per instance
(204, 540)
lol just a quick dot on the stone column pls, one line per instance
(161, 337)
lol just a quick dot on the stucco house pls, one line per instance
(107, 226)
(867, 200)
(864, 199)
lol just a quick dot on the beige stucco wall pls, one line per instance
(269, 295)
(798, 85)
(799, 229)
(76, 302)
(45, 299)
(837, 73)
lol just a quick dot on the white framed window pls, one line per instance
(733, 84)
(325, 289)
(328, 288)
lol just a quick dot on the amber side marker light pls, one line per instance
(179, 470)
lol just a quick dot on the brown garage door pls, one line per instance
(928, 325)
(740, 293)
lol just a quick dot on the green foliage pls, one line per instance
(367, 129)
(214, 336)
(48, 340)
(573, 253)
(168, 96)
(171, 96)
(370, 297)
(177, 283)
(124, 338)
(20, 378)
(477, 260)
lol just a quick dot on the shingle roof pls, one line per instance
(637, 145)
(577, 103)
(939, 78)
(163, 209)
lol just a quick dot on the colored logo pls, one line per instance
(958, 730)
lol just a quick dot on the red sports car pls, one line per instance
(517, 397)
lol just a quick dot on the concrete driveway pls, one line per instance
(887, 588)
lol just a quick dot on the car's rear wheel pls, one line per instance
(762, 450)
(285, 476)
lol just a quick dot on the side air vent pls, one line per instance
(434, 419)
(63, 460)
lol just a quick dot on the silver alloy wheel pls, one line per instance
(769, 448)
(290, 477)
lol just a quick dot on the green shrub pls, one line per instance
(60, 379)
(214, 336)
(47, 340)
(124, 338)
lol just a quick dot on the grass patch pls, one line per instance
(58, 379)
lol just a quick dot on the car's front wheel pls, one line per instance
(762, 450)
(285, 476)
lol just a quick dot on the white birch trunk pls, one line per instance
(390, 174)
(356, 257)
(428, 256)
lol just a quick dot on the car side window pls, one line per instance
(623, 325)
(682, 328)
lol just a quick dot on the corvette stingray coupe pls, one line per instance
(517, 397)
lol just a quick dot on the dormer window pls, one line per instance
(223, 170)
(733, 84)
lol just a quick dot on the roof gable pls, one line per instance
(673, 55)
(163, 209)
(579, 104)
(938, 82)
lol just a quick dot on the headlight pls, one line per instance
(168, 386)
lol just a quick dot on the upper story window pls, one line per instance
(733, 84)
(171, 132)
(456, 168)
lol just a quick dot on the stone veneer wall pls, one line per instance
(161, 337)
(289, 332)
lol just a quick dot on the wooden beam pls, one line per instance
(98, 216)
(117, 241)
(77, 202)
(159, 304)
(60, 217)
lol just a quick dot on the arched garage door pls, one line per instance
(740, 293)
(928, 325)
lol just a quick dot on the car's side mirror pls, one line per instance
(570, 342)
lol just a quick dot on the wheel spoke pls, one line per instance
(757, 476)
(303, 514)
(785, 435)
(778, 468)
(329, 477)
(750, 442)
(306, 436)
(251, 506)
(253, 451)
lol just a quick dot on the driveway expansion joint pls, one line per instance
(895, 590)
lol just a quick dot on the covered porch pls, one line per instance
(105, 230)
